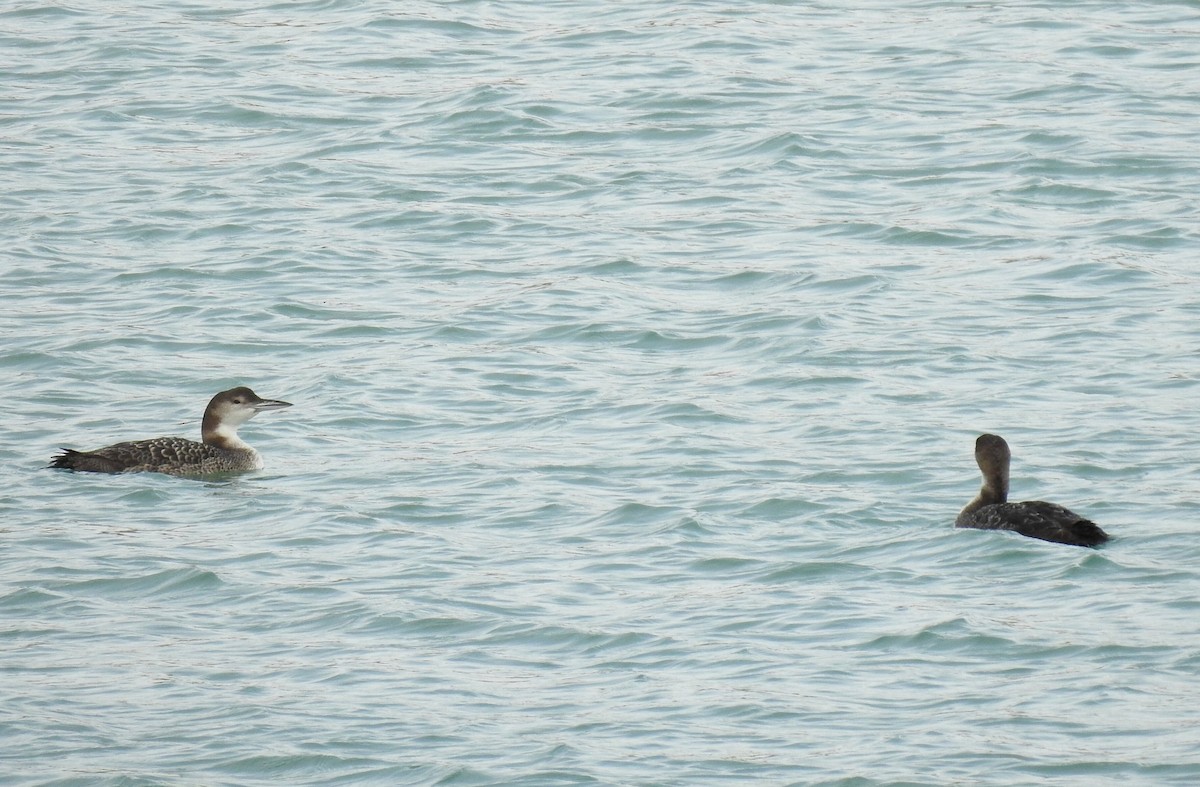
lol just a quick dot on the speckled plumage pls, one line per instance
(1036, 519)
(170, 455)
(221, 452)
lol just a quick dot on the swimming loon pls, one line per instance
(991, 511)
(221, 452)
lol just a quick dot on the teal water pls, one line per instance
(637, 354)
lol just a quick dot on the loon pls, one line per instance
(221, 452)
(990, 511)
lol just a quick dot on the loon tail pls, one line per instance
(1078, 532)
(85, 461)
(1086, 533)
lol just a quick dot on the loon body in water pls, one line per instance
(221, 452)
(991, 511)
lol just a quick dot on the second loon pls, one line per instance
(221, 451)
(990, 510)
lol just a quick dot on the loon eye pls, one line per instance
(237, 400)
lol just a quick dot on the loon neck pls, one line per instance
(221, 435)
(991, 494)
(993, 457)
(995, 487)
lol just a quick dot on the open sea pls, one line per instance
(638, 352)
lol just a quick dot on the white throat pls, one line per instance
(227, 437)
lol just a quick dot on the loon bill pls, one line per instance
(221, 451)
(990, 510)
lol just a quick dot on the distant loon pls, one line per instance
(221, 452)
(990, 510)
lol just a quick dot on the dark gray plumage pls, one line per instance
(991, 511)
(221, 451)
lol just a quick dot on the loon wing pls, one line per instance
(88, 461)
(135, 455)
(1038, 519)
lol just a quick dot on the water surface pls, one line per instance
(637, 355)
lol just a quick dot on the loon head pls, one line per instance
(993, 457)
(230, 409)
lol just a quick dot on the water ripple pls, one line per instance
(637, 353)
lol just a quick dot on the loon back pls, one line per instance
(170, 455)
(1036, 519)
(221, 452)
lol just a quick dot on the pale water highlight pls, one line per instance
(637, 355)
